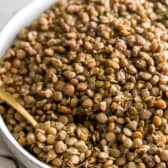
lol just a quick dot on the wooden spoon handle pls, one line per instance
(13, 103)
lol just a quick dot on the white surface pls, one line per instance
(22, 18)
(6, 161)
(8, 8)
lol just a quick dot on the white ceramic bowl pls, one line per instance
(7, 35)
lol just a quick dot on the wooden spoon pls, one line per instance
(9, 99)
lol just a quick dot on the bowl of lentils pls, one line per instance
(93, 73)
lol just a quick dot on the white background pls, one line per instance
(9, 7)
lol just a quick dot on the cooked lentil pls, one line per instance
(93, 73)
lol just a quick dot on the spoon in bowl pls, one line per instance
(9, 99)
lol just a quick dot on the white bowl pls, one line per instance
(7, 35)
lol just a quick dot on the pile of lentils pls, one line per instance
(93, 73)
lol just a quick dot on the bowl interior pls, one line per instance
(22, 18)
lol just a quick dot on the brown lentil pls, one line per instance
(60, 147)
(157, 121)
(101, 118)
(164, 155)
(87, 103)
(41, 137)
(69, 90)
(31, 138)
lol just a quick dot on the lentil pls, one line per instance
(164, 155)
(60, 147)
(101, 118)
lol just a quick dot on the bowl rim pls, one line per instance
(7, 35)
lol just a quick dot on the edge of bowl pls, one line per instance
(8, 33)
(23, 18)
